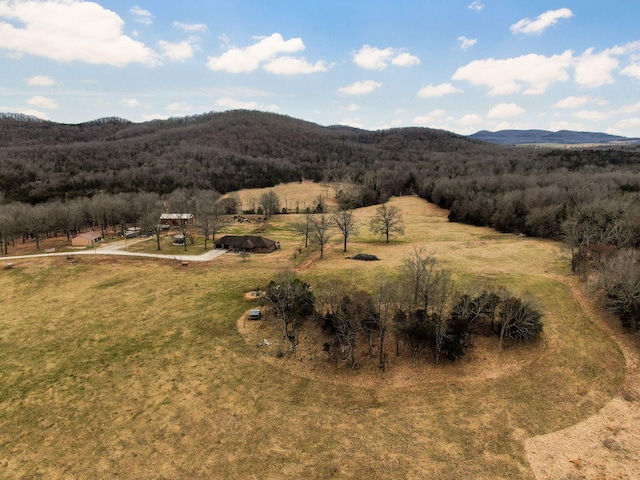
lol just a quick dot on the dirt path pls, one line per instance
(116, 248)
(606, 445)
(312, 258)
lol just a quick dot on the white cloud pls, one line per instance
(540, 23)
(565, 125)
(294, 66)
(175, 51)
(350, 108)
(632, 70)
(572, 102)
(155, 116)
(372, 58)
(41, 81)
(42, 102)
(355, 122)
(233, 104)
(471, 119)
(360, 88)
(130, 102)
(630, 108)
(509, 76)
(629, 127)
(466, 43)
(405, 60)
(591, 115)
(505, 110)
(191, 27)
(476, 5)
(142, 16)
(179, 107)
(25, 111)
(266, 52)
(55, 29)
(595, 70)
(441, 90)
(431, 118)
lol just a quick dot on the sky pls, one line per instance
(461, 66)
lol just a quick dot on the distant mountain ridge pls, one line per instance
(566, 137)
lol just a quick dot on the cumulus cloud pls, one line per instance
(509, 76)
(191, 27)
(629, 127)
(471, 120)
(360, 88)
(42, 102)
(430, 118)
(55, 29)
(130, 102)
(175, 51)
(476, 5)
(539, 24)
(350, 108)
(372, 58)
(405, 60)
(179, 107)
(505, 110)
(441, 90)
(591, 115)
(595, 70)
(466, 43)
(572, 102)
(142, 16)
(293, 66)
(233, 104)
(41, 81)
(268, 52)
(632, 70)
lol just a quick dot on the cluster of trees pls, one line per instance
(421, 310)
(109, 213)
(318, 228)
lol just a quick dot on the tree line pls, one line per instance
(418, 312)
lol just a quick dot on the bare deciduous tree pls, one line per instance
(388, 220)
(303, 227)
(270, 203)
(346, 223)
(320, 231)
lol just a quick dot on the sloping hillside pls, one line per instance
(565, 137)
(225, 151)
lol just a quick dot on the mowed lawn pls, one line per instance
(135, 368)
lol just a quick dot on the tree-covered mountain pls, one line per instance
(224, 151)
(563, 137)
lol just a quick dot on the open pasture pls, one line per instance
(135, 368)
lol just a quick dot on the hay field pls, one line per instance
(127, 368)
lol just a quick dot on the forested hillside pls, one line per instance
(225, 151)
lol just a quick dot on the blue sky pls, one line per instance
(461, 66)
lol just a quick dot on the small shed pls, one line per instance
(247, 243)
(255, 314)
(179, 239)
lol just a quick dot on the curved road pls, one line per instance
(116, 248)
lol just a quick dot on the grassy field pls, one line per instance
(131, 368)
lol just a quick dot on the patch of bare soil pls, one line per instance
(309, 360)
(606, 445)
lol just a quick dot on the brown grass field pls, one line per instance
(136, 368)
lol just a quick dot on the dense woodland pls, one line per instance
(586, 197)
